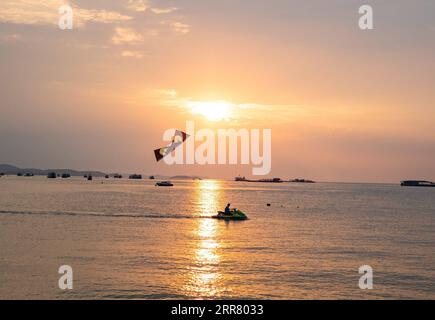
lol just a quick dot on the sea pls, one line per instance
(128, 239)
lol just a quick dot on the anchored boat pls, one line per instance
(417, 183)
(164, 184)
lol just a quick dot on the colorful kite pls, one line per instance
(177, 140)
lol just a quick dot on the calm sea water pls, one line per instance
(130, 240)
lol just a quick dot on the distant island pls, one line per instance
(186, 178)
(7, 169)
(13, 170)
(273, 180)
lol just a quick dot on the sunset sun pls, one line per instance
(212, 110)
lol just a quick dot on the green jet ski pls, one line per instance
(234, 215)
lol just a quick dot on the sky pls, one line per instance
(343, 104)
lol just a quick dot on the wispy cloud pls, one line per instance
(137, 5)
(163, 10)
(126, 36)
(144, 5)
(131, 54)
(36, 12)
(240, 112)
(177, 26)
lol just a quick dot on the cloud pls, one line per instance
(177, 27)
(36, 12)
(132, 54)
(240, 112)
(126, 36)
(137, 5)
(163, 10)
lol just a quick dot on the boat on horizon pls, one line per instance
(164, 184)
(135, 177)
(240, 178)
(417, 183)
(273, 180)
(51, 175)
(301, 181)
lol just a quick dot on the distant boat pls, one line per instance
(66, 176)
(90, 178)
(19, 174)
(301, 181)
(117, 176)
(135, 177)
(152, 177)
(29, 175)
(52, 175)
(417, 183)
(106, 176)
(274, 180)
(164, 184)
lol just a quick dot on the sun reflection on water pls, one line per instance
(205, 278)
(208, 194)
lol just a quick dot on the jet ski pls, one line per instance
(234, 215)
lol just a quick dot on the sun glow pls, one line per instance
(212, 110)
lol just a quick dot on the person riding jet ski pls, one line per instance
(231, 214)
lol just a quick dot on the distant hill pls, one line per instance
(186, 178)
(9, 169)
(13, 170)
(179, 177)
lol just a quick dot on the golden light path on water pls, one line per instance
(204, 278)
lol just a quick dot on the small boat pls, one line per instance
(66, 176)
(90, 178)
(135, 177)
(51, 175)
(301, 181)
(234, 215)
(164, 184)
(417, 183)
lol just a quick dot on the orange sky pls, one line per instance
(343, 104)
